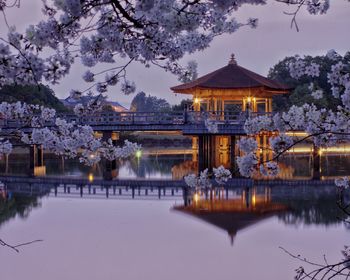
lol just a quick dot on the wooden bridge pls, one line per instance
(187, 122)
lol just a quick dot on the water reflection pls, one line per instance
(174, 165)
(19, 204)
(231, 210)
(297, 206)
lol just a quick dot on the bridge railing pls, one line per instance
(146, 118)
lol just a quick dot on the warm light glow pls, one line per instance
(299, 133)
(249, 99)
(138, 153)
(196, 197)
(197, 100)
(341, 149)
(254, 199)
(91, 177)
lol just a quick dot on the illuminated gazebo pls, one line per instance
(232, 88)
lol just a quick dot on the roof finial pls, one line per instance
(233, 60)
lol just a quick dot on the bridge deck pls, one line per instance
(188, 122)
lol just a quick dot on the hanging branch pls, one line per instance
(15, 247)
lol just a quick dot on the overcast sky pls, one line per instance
(256, 49)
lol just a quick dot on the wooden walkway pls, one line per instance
(187, 122)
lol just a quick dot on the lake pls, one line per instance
(235, 235)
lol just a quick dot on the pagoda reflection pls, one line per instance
(236, 210)
(232, 214)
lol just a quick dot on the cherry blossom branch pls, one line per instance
(15, 247)
(322, 269)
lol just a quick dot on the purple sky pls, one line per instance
(256, 49)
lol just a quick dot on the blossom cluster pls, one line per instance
(211, 125)
(5, 147)
(60, 136)
(200, 182)
(342, 183)
(150, 32)
(221, 175)
(323, 126)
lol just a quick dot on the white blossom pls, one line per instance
(247, 145)
(128, 87)
(89, 76)
(269, 169)
(247, 164)
(342, 183)
(281, 143)
(211, 126)
(5, 147)
(191, 180)
(222, 175)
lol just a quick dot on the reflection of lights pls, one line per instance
(249, 99)
(343, 149)
(254, 199)
(91, 177)
(138, 153)
(197, 100)
(196, 197)
(92, 156)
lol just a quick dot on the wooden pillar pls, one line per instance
(270, 105)
(233, 154)
(316, 159)
(206, 152)
(32, 157)
(40, 155)
(267, 105)
(36, 161)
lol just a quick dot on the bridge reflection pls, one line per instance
(230, 209)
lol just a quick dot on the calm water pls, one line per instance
(234, 236)
(155, 164)
(147, 238)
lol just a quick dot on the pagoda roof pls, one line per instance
(232, 76)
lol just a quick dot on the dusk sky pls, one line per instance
(256, 49)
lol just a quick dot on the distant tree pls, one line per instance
(302, 91)
(144, 103)
(184, 105)
(32, 94)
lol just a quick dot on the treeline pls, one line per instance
(301, 93)
(147, 103)
(32, 94)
